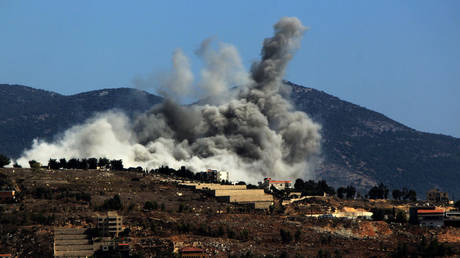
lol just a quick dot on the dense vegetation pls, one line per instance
(90, 163)
(4, 160)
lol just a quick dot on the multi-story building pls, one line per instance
(110, 224)
(436, 196)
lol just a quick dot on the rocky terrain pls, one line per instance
(182, 217)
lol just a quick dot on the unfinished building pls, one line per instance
(109, 224)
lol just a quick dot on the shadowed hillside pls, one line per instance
(29, 113)
(364, 147)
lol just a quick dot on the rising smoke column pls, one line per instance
(255, 134)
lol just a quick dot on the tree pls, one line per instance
(411, 195)
(285, 236)
(113, 203)
(83, 164)
(116, 164)
(341, 192)
(34, 164)
(396, 194)
(4, 160)
(148, 206)
(63, 163)
(311, 187)
(92, 163)
(73, 163)
(378, 192)
(103, 162)
(53, 164)
(323, 187)
(299, 184)
(351, 192)
(457, 205)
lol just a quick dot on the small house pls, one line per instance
(278, 184)
(192, 252)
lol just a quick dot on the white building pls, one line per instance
(213, 175)
(222, 176)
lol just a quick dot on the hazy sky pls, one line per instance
(400, 58)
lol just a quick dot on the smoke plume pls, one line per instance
(176, 85)
(223, 69)
(254, 134)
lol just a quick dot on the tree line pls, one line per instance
(4, 160)
(90, 163)
(307, 188)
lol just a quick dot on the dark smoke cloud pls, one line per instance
(257, 133)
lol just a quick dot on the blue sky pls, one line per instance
(400, 58)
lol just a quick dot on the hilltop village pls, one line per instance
(116, 212)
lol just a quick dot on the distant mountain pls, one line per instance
(363, 147)
(27, 113)
(360, 146)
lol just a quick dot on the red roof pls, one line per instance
(123, 244)
(191, 250)
(430, 211)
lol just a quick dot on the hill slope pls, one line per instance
(360, 146)
(364, 147)
(29, 113)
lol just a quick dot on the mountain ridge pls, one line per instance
(360, 146)
(365, 147)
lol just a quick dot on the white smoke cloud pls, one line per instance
(105, 135)
(255, 134)
(223, 70)
(177, 85)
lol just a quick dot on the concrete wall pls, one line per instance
(69, 231)
(232, 192)
(201, 186)
(220, 187)
(262, 205)
(251, 198)
(73, 253)
(73, 248)
(58, 242)
(69, 237)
